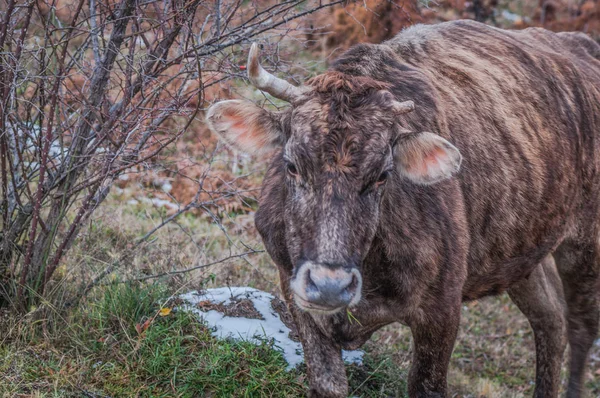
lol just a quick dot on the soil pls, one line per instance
(243, 308)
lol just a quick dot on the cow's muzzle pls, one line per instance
(325, 288)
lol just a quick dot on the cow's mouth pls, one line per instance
(316, 309)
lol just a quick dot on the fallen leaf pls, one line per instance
(204, 304)
(146, 324)
(164, 311)
(141, 328)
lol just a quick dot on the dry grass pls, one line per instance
(494, 354)
(95, 349)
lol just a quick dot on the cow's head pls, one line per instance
(342, 143)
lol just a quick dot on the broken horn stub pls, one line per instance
(401, 108)
(267, 82)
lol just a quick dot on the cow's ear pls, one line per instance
(245, 126)
(426, 158)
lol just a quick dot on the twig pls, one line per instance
(186, 270)
(94, 32)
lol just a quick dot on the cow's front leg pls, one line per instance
(433, 335)
(322, 355)
(323, 358)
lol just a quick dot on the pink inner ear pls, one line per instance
(246, 140)
(244, 126)
(245, 132)
(249, 135)
(429, 163)
(238, 125)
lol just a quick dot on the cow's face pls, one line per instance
(341, 148)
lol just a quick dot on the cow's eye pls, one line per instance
(382, 178)
(292, 170)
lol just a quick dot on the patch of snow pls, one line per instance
(166, 187)
(514, 18)
(57, 150)
(354, 356)
(160, 202)
(160, 182)
(154, 201)
(254, 330)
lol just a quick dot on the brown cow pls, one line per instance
(400, 216)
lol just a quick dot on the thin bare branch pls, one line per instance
(197, 267)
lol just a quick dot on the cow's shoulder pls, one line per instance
(581, 43)
(422, 42)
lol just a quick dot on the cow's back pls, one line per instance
(523, 107)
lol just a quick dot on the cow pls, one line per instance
(453, 162)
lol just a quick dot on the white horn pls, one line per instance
(403, 107)
(265, 81)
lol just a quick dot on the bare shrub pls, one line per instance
(91, 89)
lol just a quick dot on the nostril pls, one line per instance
(351, 288)
(310, 284)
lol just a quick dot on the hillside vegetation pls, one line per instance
(159, 207)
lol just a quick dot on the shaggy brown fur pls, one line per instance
(523, 109)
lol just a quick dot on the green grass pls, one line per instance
(117, 345)
(379, 376)
(114, 343)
